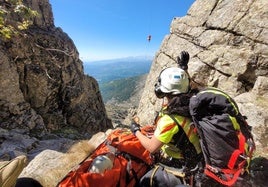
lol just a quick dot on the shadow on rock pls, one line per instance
(27, 182)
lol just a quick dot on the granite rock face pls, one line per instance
(43, 87)
(46, 101)
(228, 43)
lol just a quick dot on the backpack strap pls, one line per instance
(181, 134)
(183, 143)
(230, 175)
(153, 174)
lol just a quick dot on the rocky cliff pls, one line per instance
(46, 101)
(228, 44)
(43, 87)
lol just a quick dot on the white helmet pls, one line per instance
(101, 163)
(172, 81)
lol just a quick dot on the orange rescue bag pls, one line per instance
(130, 162)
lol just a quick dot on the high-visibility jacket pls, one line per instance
(166, 130)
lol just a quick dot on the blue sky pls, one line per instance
(109, 29)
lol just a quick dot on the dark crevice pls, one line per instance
(191, 39)
(235, 34)
(212, 67)
(249, 77)
(212, 10)
(223, 73)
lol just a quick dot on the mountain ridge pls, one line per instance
(130, 58)
(117, 79)
(117, 69)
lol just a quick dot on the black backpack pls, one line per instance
(225, 137)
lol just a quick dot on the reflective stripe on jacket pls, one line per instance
(167, 128)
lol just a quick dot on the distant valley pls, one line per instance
(118, 78)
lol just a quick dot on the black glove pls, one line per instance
(183, 60)
(134, 127)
